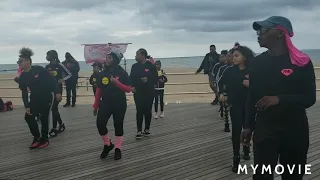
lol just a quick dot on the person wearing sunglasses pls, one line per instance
(44, 89)
(281, 88)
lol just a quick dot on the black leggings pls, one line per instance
(56, 118)
(144, 109)
(71, 87)
(118, 112)
(44, 112)
(159, 94)
(237, 113)
(290, 147)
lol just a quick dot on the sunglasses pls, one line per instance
(263, 30)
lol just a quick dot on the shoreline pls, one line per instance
(177, 84)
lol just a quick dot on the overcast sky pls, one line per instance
(166, 28)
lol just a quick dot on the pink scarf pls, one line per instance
(297, 57)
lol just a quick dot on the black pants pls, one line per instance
(71, 87)
(56, 118)
(143, 103)
(289, 146)
(158, 96)
(44, 110)
(238, 115)
(117, 110)
(94, 89)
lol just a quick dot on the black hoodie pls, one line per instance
(139, 71)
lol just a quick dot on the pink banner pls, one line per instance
(98, 52)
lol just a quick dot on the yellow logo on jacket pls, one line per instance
(105, 81)
(160, 73)
(54, 73)
(94, 79)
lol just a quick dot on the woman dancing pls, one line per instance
(112, 85)
(44, 89)
(231, 83)
(60, 74)
(143, 77)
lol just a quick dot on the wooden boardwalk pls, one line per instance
(189, 143)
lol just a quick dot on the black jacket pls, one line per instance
(208, 62)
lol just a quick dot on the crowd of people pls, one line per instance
(266, 95)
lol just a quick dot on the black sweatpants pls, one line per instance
(159, 94)
(117, 110)
(143, 103)
(56, 118)
(290, 146)
(44, 110)
(238, 115)
(71, 87)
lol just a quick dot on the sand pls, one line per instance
(86, 95)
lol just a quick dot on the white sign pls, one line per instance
(98, 52)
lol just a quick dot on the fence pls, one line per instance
(130, 94)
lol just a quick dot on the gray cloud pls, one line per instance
(169, 28)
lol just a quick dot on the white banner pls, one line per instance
(98, 52)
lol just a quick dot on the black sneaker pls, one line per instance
(226, 127)
(73, 105)
(146, 132)
(139, 135)
(66, 105)
(106, 150)
(53, 133)
(61, 128)
(235, 164)
(35, 143)
(117, 154)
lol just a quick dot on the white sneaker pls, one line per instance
(162, 115)
(156, 115)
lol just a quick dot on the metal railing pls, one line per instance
(130, 94)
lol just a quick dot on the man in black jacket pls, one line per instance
(207, 64)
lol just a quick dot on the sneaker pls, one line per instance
(226, 127)
(117, 154)
(162, 115)
(106, 150)
(61, 128)
(146, 132)
(43, 144)
(53, 133)
(35, 143)
(139, 135)
(66, 105)
(156, 115)
(73, 105)
(235, 164)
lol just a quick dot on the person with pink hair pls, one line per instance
(281, 87)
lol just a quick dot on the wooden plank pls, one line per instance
(189, 143)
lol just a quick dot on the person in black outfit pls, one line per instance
(97, 67)
(112, 85)
(225, 109)
(159, 95)
(143, 77)
(60, 74)
(214, 72)
(232, 84)
(281, 88)
(207, 64)
(71, 83)
(44, 89)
